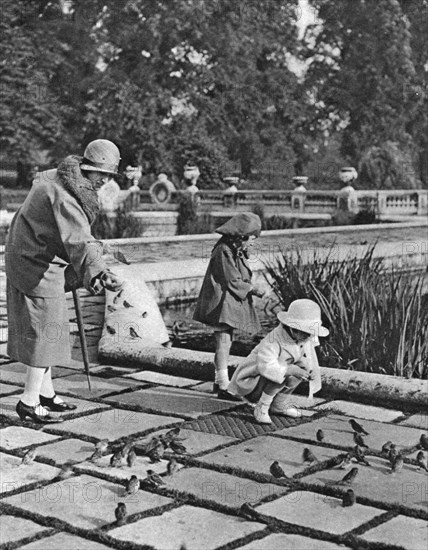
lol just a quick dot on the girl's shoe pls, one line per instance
(261, 414)
(226, 396)
(49, 403)
(26, 411)
(285, 410)
(216, 387)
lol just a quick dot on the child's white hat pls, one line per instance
(304, 315)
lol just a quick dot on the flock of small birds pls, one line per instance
(344, 461)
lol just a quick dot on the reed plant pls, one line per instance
(377, 314)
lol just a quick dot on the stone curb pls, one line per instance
(362, 386)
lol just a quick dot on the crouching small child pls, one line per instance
(279, 363)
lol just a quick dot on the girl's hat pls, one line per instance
(304, 315)
(241, 225)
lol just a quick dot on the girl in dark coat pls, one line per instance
(226, 298)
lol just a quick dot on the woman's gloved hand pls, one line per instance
(108, 281)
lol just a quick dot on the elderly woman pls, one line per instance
(50, 234)
(226, 298)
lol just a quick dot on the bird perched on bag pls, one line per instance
(343, 461)
(276, 470)
(320, 436)
(349, 477)
(153, 479)
(101, 445)
(133, 333)
(29, 456)
(132, 485)
(359, 455)
(120, 513)
(420, 459)
(357, 427)
(349, 498)
(127, 304)
(131, 458)
(423, 442)
(172, 466)
(248, 511)
(308, 456)
(392, 453)
(385, 448)
(398, 464)
(116, 459)
(358, 438)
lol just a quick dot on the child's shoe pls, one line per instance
(284, 408)
(261, 414)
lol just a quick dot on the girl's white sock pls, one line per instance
(222, 378)
(33, 383)
(266, 399)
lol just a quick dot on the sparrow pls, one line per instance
(126, 448)
(392, 453)
(133, 333)
(172, 466)
(398, 464)
(127, 304)
(348, 498)
(170, 435)
(385, 448)
(178, 448)
(120, 513)
(276, 470)
(132, 485)
(248, 510)
(96, 455)
(102, 445)
(153, 479)
(131, 458)
(358, 438)
(29, 456)
(423, 442)
(117, 297)
(116, 459)
(308, 456)
(111, 308)
(357, 427)
(359, 456)
(345, 461)
(120, 257)
(320, 435)
(349, 477)
(66, 471)
(144, 314)
(110, 329)
(156, 453)
(420, 459)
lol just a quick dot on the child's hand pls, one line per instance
(298, 372)
(258, 291)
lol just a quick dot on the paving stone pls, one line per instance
(338, 431)
(13, 373)
(162, 379)
(111, 371)
(180, 401)
(77, 384)
(358, 410)
(114, 424)
(67, 450)
(14, 529)
(8, 388)
(13, 478)
(407, 488)
(3, 334)
(318, 512)
(85, 501)
(221, 488)
(206, 387)
(417, 420)
(188, 526)
(8, 406)
(65, 541)
(402, 531)
(15, 437)
(3, 350)
(197, 442)
(257, 455)
(296, 542)
(142, 464)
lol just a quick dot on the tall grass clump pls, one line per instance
(377, 315)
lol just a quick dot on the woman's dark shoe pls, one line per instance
(49, 403)
(25, 411)
(226, 396)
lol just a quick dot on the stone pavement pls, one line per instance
(224, 464)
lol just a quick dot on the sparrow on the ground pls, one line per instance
(420, 459)
(359, 455)
(385, 448)
(172, 466)
(343, 461)
(66, 471)
(358, 438)
(120, 513)
(320, 435)
(153, 479)
(29, 456)
(178, 447)
(126, 448)
(101, 445)
(132, 485)
(357, 427)
(170, 435)
(308, 456)
(348, 498)
(398, 464)
(276, 470)
(96, 455)
(349, 477)
(116, 459)
(392, 453)
(131, 458)
(249, 511)
(423, 442)
(156, 453)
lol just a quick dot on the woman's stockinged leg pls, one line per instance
(47, 389)
(221, 358)
(33, 384)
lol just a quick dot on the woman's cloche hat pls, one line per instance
(242, 224)
(304, 315)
